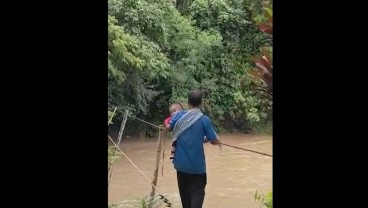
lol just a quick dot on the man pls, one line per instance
(189, 129)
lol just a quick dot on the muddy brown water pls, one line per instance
(231, 173)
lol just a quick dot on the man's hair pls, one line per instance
(195, 98)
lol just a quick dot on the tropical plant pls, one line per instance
(264, 64)
(157, 54)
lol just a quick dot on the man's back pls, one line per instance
(189, 131)
(189, 156)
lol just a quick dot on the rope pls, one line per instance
(135, 166)
(154, 125)
(245, 149)
(119, 140)
(163, 156)
(162, 197)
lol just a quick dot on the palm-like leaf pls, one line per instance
(264, 66)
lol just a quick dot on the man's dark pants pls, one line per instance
(191, 188)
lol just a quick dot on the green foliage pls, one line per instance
(109, 115)
(231, 93)
(147, 203)
(264, 64)
(265, 200)
(112, 153)
(113, 206)
(156, 55)
(265, 128)
(111, 150)
(134, 65)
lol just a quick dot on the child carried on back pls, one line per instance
(173, 109)
(176, 113)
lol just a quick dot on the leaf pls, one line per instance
(255, 74)
(268, 12)
(265, 27)
(263, 64)
(270, 20)
(266, 53)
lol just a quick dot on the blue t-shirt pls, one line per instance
(189, 153)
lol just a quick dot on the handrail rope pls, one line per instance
(245, 149)
(220, 143)
(119, 141)
(161, 196)
(133, 117)
(134, 165)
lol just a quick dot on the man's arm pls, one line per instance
(210, 133)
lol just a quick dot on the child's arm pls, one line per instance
(174, 118)
(166, 122)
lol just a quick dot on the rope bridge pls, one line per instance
(149, 201)
(161, 196)
(228, 145)
(161, 142)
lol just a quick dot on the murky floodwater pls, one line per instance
(231, 173)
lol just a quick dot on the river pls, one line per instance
(232, 174)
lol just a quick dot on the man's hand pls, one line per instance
(216, 142)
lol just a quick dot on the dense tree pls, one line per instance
(158, 53)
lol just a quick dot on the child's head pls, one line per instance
(175, 107)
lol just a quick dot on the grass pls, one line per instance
(145, 202)
(266, 201)
(266, 128)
